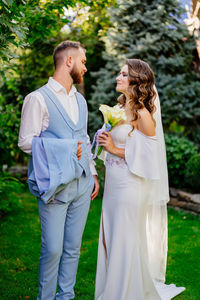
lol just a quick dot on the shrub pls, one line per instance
(192, 172)
(9, 188)
(179, 151)
(9, 130)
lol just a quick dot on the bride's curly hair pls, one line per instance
(141, 92)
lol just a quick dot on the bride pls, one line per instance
(133, 233)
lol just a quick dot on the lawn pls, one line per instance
(20, 247)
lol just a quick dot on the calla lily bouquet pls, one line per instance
(112, 116)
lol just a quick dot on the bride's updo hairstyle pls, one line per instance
(140, 92)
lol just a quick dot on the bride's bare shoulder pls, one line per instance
(145, 122)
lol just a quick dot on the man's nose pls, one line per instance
(85, 69)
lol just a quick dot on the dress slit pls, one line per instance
(103, 238)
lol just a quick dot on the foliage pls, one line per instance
(45, 23)
(179, 151)
(9, 187)
(26, 22)
(40, 23)
(43, 20)
(13, 28)
(151, 31)
(192, 172)
(9, 128)
(79, 28)
(20, 251)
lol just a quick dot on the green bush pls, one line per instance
(179, 151)
(9, 130)
(9, 188)
(192, 172)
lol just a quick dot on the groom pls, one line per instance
(57, 112)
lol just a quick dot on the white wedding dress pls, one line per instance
(131, 261)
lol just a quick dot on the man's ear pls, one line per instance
(69, 61)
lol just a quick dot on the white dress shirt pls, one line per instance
(35, 116)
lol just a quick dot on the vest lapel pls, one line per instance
(82, 112)
(61, 109)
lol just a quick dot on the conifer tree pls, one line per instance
(151, 31)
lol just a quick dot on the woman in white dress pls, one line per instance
(133, 233)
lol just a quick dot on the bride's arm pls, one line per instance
(119, 152)
(106, 141)
(145, 123)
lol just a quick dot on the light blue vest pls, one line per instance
(62, 127)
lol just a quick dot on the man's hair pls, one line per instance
(66, 45)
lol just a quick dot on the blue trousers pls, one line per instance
(62, 226)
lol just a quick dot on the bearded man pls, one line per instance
(54, 132)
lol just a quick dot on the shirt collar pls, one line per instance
(57, 87)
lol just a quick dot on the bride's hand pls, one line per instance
(106, 141)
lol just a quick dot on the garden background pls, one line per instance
(157, 31)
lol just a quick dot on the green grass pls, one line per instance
(183, 253)
(20, 250)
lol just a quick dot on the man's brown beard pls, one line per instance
(75, 75)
